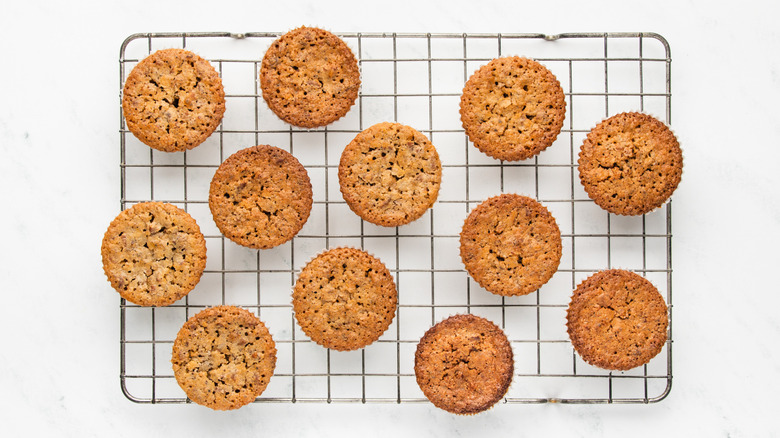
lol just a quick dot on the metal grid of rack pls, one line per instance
(415, 79)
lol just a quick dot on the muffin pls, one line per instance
(390, 174)
(464, 364)
(260, 197)
(630, 164)
(511, 245)
(512, 108)
(153, 254)
(173, 100)
(223, 357)
(309, 77)
(344, 299)
(617, 320)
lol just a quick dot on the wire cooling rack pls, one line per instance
(414, 79)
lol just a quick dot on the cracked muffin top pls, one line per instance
(344, 299)
(511, 245)
(223, 357)
(617, 320)
(173, 100)
(260, 197)
(390, 174)
(512, 108)
(153, 254)
(630, 164)
(464, 364)
(309, 77)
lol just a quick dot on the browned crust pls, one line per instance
(260, 197)
(309, 77)
(390, 174)
(617, 320)
(173, 100)
(153, 254)
(344, 299)
(223, 357)
(630, 164)
(512, 108)
(464, 364)
(511, 245)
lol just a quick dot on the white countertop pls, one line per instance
(59, 180)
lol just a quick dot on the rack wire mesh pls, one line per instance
(415, 79)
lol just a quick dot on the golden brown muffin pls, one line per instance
(511, 245)
(260, 197)
(344, 299)
(464, 364)
(390, 174)
(309, 77)
(173, 100)
(512, 108)
(153, 254)
(617, 320)
(223, 357)
(630, 164)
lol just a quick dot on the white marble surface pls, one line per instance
(59, 181)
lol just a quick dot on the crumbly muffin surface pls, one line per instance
(617, 320)
(173, 100)
(511, 245)
(223, 357)
(390, 174)
(464, 364)
(153, 254)
(630, 164)
(260, 197)
(309, 77)
(512, 108)
(344, 299)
